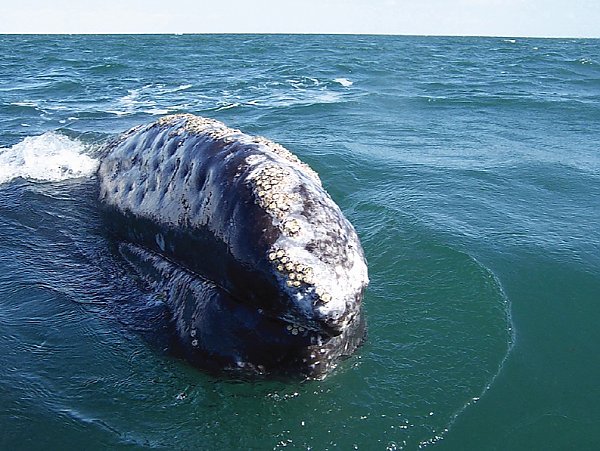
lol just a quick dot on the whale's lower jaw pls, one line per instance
(216, 332)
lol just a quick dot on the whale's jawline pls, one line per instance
(227, 337)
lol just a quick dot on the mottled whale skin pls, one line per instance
(261, 270)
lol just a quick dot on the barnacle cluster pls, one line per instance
(194, 339)
(271, 185)
(297, 274)
(291, 227)
(268, 187)
(323, 295)
(287, 155)
(295, 329)
(199, 125)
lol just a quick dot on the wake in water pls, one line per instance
(49, 157)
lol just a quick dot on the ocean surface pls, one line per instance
(470, 168)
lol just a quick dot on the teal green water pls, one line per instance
(470, 168)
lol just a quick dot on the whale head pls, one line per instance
(314, 256)
(249, 220)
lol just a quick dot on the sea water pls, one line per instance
(470, 168)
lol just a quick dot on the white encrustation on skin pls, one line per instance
(277, 186)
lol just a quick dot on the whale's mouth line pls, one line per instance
(140, 256)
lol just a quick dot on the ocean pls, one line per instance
(470, 168)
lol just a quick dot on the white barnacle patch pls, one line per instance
(326, 297)
(291, 227)
(255, 159)
(273, 190)
(297, 275)
(315, 256)
(317, 286)
(284, 153)
(194, 342)
(322, 295)
(200, 126)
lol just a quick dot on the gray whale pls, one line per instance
(261, 270)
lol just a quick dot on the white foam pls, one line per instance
(157, 111)
(48, 157)
(25, 103)
(344, 82)
(129, 102)
(179, 88)
(146, 99)
(228, 106)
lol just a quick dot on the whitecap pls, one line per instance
(129, 101)
(325, 97)
(48, 157)
(157, 111)
(344, 82)
(25, 104)
(181, 88)
(117, 112)
(227, 106)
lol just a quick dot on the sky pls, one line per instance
(514, 18)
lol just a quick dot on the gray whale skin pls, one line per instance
(261, 271)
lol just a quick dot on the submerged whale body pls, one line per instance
(259, 267)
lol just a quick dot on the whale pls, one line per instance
(261, 271)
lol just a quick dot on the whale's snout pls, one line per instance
(331, 327)
(336, 323)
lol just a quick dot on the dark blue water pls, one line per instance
(470, 168)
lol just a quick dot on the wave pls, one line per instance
(178, 88)
(48, 157)
(344, 82)
(147, 99)
(25, 104)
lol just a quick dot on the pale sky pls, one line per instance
(544, 18)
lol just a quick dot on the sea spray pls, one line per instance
(48, 157)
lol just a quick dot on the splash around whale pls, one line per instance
(260, 269)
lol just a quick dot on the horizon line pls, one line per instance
(307, 33)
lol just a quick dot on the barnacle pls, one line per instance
(270, 185)
(287, 155)
(291, 227)
(296, 274)
(199, 125)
